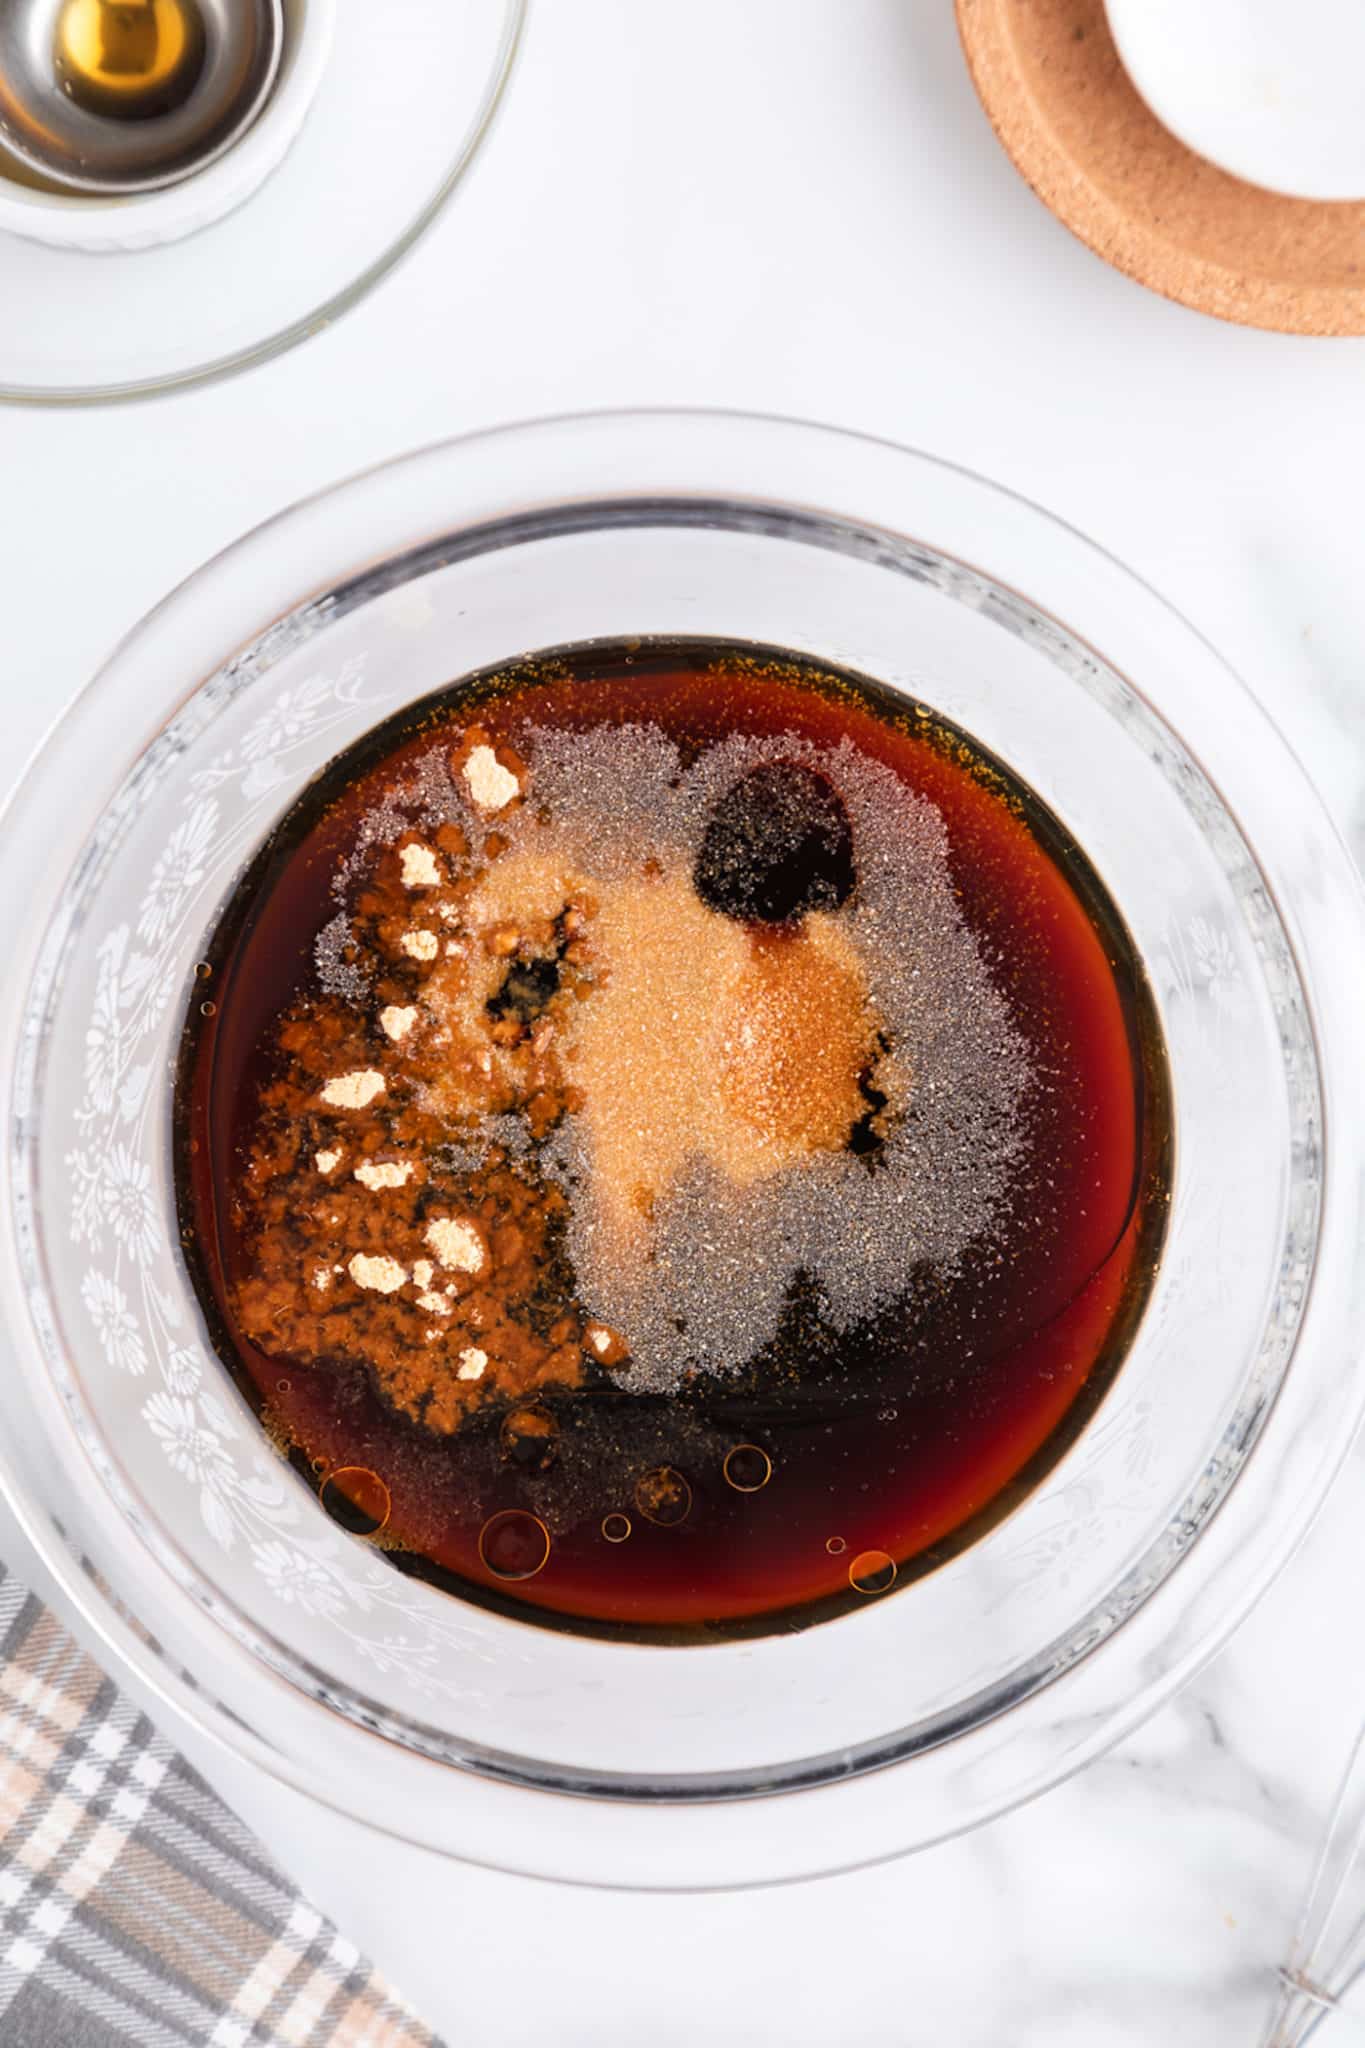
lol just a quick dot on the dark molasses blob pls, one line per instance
(526, 989)
(778, 845)
(530, 1438)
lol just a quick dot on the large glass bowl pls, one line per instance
(201, 1558)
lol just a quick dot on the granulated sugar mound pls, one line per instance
(427, 797)
(338, 975)
(697, 1278)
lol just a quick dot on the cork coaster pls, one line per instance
(1051, 82)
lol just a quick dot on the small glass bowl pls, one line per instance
(203, 1560)
(378, 114)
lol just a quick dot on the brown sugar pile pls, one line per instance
(373, 1234)
(549, 1112)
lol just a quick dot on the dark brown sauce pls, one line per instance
(834, 1464)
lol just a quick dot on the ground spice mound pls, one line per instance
(553, 1097)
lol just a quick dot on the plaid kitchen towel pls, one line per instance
(133, 1906)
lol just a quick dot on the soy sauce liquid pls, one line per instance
(834, 1465)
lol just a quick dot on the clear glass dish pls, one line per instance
(145, 1483)
(405, 97)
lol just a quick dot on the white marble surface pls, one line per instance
(797, 205)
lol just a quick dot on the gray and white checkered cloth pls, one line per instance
(133, 1906)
